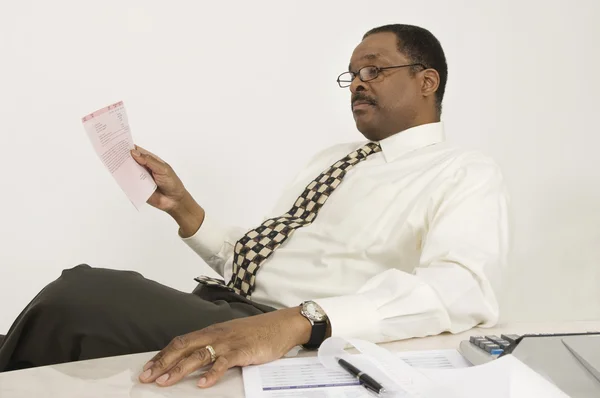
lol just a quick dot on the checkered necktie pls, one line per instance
(258, 244)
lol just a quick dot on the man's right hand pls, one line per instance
(170, 195)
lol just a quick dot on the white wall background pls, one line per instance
(212, 86)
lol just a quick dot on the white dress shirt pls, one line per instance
(412, 243)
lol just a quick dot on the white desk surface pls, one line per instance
(117, 376)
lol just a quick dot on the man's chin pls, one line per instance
(367, 128)
(371, 135)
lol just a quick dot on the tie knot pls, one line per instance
(369, 149)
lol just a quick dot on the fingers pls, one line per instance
(217, 371)
(152, 162)
(166, 359)
(147, 152)
(194, 361)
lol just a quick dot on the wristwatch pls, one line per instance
(318, 319)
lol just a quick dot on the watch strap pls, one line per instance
(317, 335)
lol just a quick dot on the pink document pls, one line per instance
(108, 129)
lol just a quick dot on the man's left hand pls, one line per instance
(240, 342)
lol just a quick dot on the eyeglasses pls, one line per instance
(367, 73)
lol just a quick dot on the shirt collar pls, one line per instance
(411, 139)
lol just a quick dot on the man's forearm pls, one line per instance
(189, 215)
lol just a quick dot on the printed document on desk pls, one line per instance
(307, 377)
(417, 374)
(108, 130)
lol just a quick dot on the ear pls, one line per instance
(430, 83)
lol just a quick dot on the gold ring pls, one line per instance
(211, 351)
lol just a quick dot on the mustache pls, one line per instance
(363, 97)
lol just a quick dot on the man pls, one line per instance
(399, 236)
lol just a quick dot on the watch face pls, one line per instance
(313, 311)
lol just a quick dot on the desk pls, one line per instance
(117, 376)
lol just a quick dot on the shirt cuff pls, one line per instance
(208, 240)
(351, 316)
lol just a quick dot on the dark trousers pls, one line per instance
(94, 312)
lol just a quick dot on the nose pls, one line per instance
(357, 85)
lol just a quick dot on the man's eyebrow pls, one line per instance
(370, 56)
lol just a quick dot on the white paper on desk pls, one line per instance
(445, 376)
(434, 359)
(306, 377)
(506, 377)
(501, 378)
(398, 378)
(108, 130)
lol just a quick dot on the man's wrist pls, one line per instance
(302, 326)
(189, 215)
(318, 324)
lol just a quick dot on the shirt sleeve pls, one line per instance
(214, 243)
(456, 283)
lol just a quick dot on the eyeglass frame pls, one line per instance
(377, 68)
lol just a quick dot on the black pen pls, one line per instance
(364, 379)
